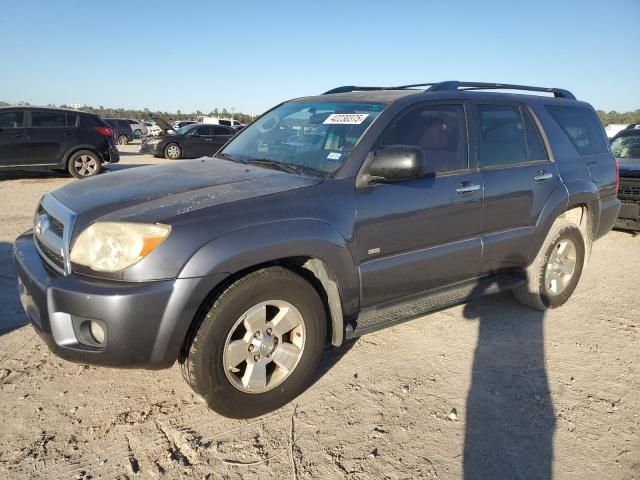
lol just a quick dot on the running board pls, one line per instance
(385, 315)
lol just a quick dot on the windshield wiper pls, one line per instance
(285, 167)
(226, 156)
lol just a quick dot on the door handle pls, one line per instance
(467, 188)
(543, 176)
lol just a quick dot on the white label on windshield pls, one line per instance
(334, 156)
(345, 118)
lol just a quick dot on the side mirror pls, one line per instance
(396, 163)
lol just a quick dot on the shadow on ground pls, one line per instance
(11, 314)
(510, 420)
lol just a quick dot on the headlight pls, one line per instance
(112, 247)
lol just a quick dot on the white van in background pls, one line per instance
(229, 122)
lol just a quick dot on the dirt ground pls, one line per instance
(487, 390)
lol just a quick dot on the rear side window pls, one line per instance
(224, 122)
(438, 130)
(582, 127)
(502, 135)
(11, 119)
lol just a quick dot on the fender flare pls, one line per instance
(326, 252)
(77, 148)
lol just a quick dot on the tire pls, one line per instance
(209, 369)
(172, 151)
(549, 286)
(84, 164)
(123, 140)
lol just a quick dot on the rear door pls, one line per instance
(14, 146)
(51, 135)
(518, 178)
(200, 141)
(421, 234)
(221, 135)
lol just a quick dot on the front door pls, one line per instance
(221, 135)
(14, 138)
(518, 177)
(418, 235)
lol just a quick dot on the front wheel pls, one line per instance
(84, 164)
(259, 345)
(554, 274)
(173, 151)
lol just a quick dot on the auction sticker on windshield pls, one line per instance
(345, 118)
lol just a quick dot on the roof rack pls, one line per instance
(454, 85)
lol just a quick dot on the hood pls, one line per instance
(629, 167)
(162, 123)
(162, 192)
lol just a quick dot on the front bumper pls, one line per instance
(629, 216)
(152, 148)
(145, 323)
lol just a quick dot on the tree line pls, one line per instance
(146, 114)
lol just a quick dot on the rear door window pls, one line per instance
(48, 119)
(11, 119)
(221, 131)
(582, 127)
(535, 147)
(502, 139)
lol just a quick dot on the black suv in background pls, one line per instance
(191, 141)
(57, 139)
(626, 148)
(122, 131)
(327, 218)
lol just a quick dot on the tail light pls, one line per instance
(106, 131)
(615, 164)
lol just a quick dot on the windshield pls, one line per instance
(314, 138)
(184, 130)
(626, 147)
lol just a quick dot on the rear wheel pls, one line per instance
(554, 274)
(173, 151)
(258, 345)
(123, 140)
(83, 164)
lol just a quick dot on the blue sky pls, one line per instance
(170, 55)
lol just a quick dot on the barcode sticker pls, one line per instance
(345, 118)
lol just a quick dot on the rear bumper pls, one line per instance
(145, 323)
(609, 208)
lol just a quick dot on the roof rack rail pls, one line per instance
(454, 85)
(352, 88)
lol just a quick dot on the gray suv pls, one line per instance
(329, 217)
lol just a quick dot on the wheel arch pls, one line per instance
(313, 249)
(76, 148)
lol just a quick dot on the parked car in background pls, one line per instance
(626, 148)
(182, 123)
(138, 127)
(57, 139)
(614, 128)
(190, 141)
(153, 129)
(228, 122)
(243, 267)
(121, 130)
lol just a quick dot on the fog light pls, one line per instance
(97, 333)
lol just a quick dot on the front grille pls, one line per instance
(629, 188)
(55, 258)
(53, 223)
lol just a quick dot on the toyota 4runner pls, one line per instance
(329, 217)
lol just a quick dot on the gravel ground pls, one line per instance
(487, 390)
